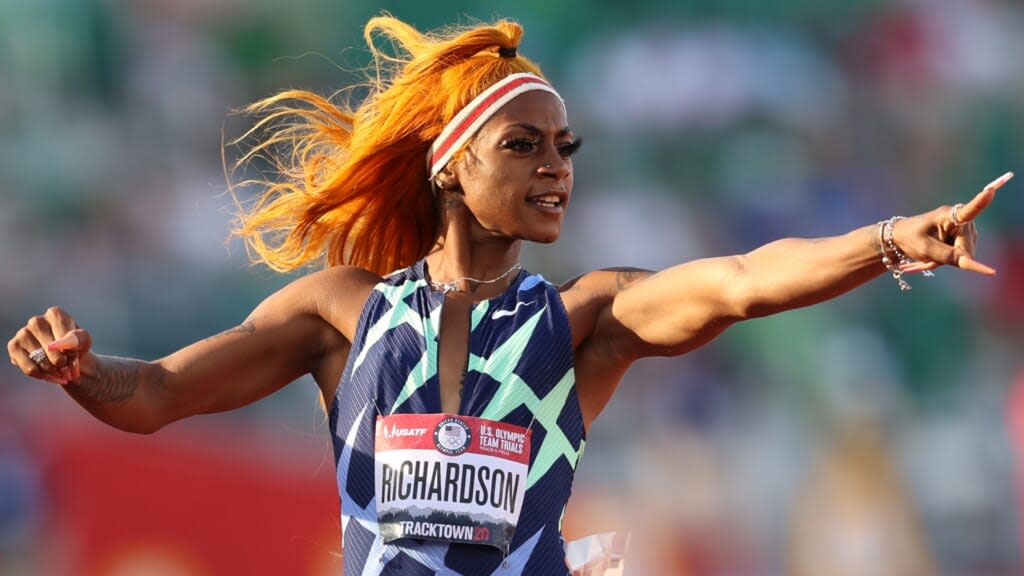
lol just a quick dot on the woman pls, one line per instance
(460, 387)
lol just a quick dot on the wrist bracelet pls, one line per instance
(892, 256)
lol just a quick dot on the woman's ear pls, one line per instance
(447, 180)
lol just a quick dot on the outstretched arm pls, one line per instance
(620, 315)
(686, 306)
(289, 334)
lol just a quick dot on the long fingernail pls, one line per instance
(984, 269)
(1001, 180)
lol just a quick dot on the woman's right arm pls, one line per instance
(289, 334)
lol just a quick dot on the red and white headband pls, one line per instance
(469, 120)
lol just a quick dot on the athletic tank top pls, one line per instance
(520, 371)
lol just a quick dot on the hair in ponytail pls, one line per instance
(351, 185)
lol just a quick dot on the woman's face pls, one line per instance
(516, 174)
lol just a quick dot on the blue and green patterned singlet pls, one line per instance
(520, 370)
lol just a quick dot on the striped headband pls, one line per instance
(466, 123)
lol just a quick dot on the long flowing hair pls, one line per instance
(349, 186)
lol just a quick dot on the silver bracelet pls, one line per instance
(892, 256)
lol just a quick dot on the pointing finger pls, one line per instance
(982, 199)
(964, 261)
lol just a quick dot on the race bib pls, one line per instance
(450, 478)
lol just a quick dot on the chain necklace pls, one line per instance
(453, 286)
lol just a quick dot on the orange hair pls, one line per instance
(351, 186)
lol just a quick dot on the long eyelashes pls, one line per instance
(571, 148)
(528, 145)
(521, 145)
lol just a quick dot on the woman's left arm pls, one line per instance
(684, 307)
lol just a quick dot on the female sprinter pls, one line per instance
(460, 387)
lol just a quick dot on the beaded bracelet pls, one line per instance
(892, 256)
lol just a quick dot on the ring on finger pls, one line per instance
(38, 356)
(954, 216)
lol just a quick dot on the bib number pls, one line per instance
(450, 478)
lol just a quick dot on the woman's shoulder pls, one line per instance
(337, 294)
(601, 285)
(589, 295)
(341, 277)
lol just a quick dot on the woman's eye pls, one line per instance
(520, 145)
(570, 148)
(527, 146)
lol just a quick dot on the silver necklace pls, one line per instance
(453, 286)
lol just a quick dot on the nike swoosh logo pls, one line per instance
(502, 313)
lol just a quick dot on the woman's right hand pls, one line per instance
(51, 347)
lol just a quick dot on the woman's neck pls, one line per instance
(479, 266)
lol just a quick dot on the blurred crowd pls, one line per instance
(871, 435)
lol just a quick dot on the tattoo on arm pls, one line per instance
(626, 277)
(116, 380)
(247, 327)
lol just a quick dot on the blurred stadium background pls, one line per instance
(877, 434)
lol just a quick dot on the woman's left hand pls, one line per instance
(947, 235)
